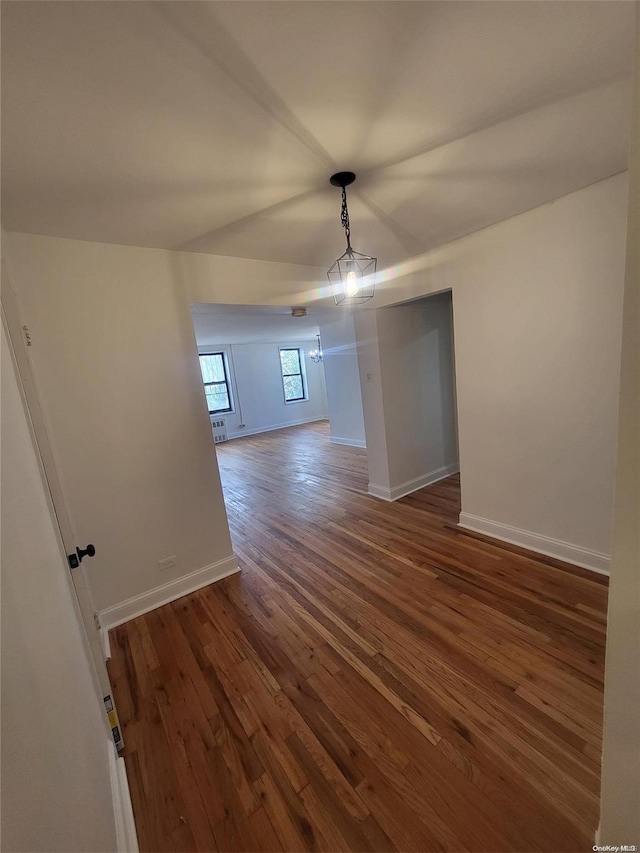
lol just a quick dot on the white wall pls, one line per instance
(115, 361)
(620, 815)
(416, 386)
(344, 398)
(366, 331)
(243, 281)
(258, 394)
(537, 307)
(56, 790)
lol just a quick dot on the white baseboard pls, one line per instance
(350, 442)
(379, 492)
(159, 595)
(400, 491)
(240, 433)
(565, 551)
(126, 836)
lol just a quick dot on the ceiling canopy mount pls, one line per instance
(342, 179)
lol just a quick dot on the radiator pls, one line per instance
(219, 427)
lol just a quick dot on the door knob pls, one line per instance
(89, 551)
(75, 559)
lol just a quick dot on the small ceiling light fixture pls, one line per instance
(317, 354)
(299, 312)
(352, 274)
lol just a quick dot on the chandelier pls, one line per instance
(352, 274)
(316, 354)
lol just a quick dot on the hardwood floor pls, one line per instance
(374, 679)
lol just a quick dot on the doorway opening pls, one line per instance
(409, 396)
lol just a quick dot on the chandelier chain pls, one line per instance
(344, 216)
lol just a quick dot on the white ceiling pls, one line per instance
(248, 324)
(214, 126)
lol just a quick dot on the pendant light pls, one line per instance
(352, 274)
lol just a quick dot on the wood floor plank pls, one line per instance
(375, 679)
(264, 833)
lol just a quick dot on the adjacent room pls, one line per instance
(320, 468)
(258, 368)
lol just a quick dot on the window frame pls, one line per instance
(301, 374)
(226, 382)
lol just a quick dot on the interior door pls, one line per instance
(19, 339)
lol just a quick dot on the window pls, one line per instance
(291, 361)
(216, 382)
